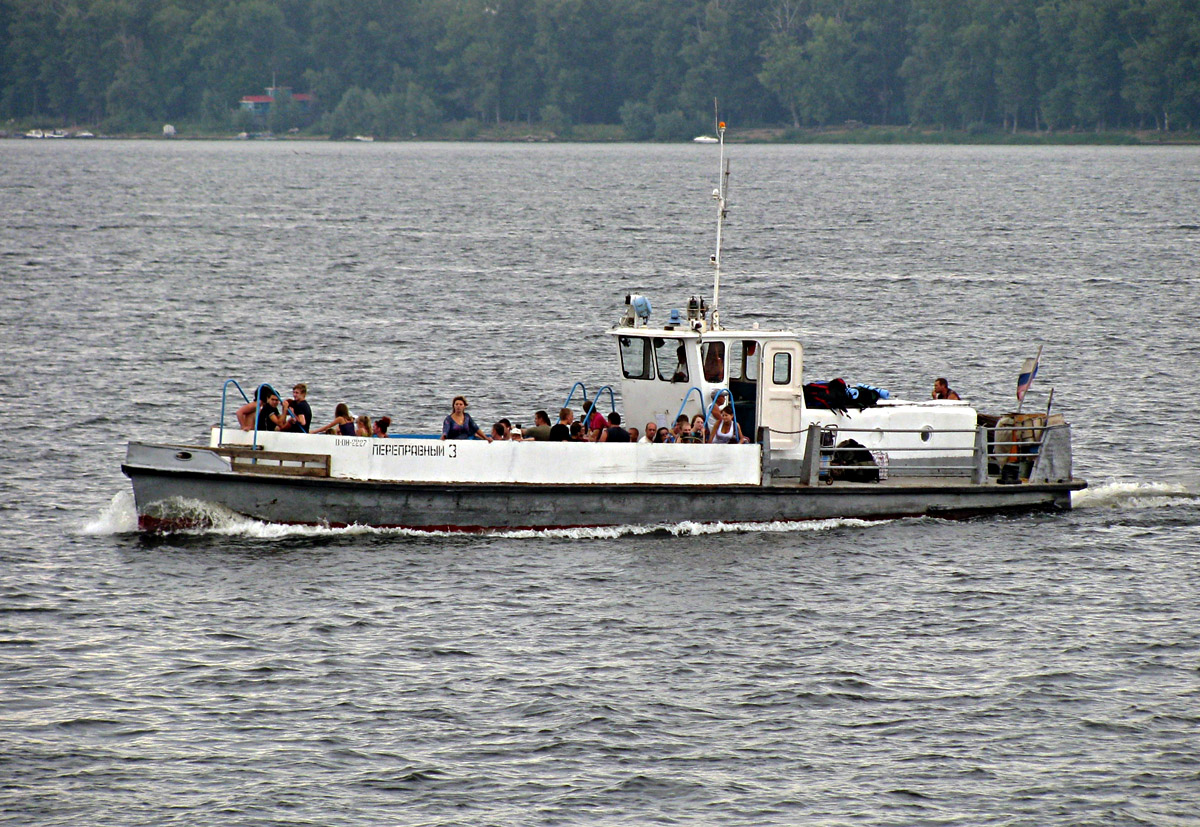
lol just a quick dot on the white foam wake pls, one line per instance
(120, 517)
(1133, 495)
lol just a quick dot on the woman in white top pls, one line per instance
(726, 431)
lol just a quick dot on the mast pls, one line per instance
(719, 195)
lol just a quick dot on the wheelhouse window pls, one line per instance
(637, 360)
(671, 355)
(751, 350)
(712, 356)
(743, 361)
(781, 369)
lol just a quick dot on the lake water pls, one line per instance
(1006, 671)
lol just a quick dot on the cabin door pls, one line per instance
(781, 392)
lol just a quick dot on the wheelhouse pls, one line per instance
(682, 367)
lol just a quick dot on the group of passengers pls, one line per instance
(295, 415)
(721, 428)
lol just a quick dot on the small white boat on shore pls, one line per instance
(813, 451)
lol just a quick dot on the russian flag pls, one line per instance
(1028, 372)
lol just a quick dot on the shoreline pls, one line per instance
(606, 133)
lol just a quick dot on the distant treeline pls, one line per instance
(408, 67)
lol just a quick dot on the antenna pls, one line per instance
(719, 195)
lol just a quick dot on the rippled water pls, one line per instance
(1033, 671)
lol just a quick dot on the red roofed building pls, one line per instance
(261, 104)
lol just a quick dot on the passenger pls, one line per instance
(541, 428)
(699, 429)
(674, 436)
(681, 371)
(342, 424)
(246, 413)
(511, 432)
(362, 426)
(662, 436)
(502, 432)
(561, 432)
(577, 433)
(714, 362)
(297, 410)
(614, 432)
(727, 431)
(269, 417)
(381, 426)
(635, 435)
(941, 390)
(595, 423)
(459, 424)
(651, 432)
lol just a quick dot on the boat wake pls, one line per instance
(120, 517)
(1134, 495)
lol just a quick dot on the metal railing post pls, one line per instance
(810, 468)
(979, 473)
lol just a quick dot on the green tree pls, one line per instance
(723, 60)
(215, 112)
(672, 126)
(356, 113)
(284, 113)
(1056, 77)
(637, 119)
(1016, 64)
(785, 68)
(829, 89)
(130, 99)
(241, 46)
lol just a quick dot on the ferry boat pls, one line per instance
(811, 451)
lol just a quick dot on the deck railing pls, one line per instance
(1013, 455)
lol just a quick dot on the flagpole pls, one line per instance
(1049, 402)
(1037, 360)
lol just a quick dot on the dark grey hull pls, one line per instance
(479, 507)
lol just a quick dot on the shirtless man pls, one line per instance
(941, 390)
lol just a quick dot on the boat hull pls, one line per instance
(163, 494)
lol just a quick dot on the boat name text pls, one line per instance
(391, 449)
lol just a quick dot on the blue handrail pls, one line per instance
(713, 404)
(707, 410)
(612, 399)
(224, 391)
(683, 405)
(571, 395)
(737, 429)
(595, 398)
(257, 409)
